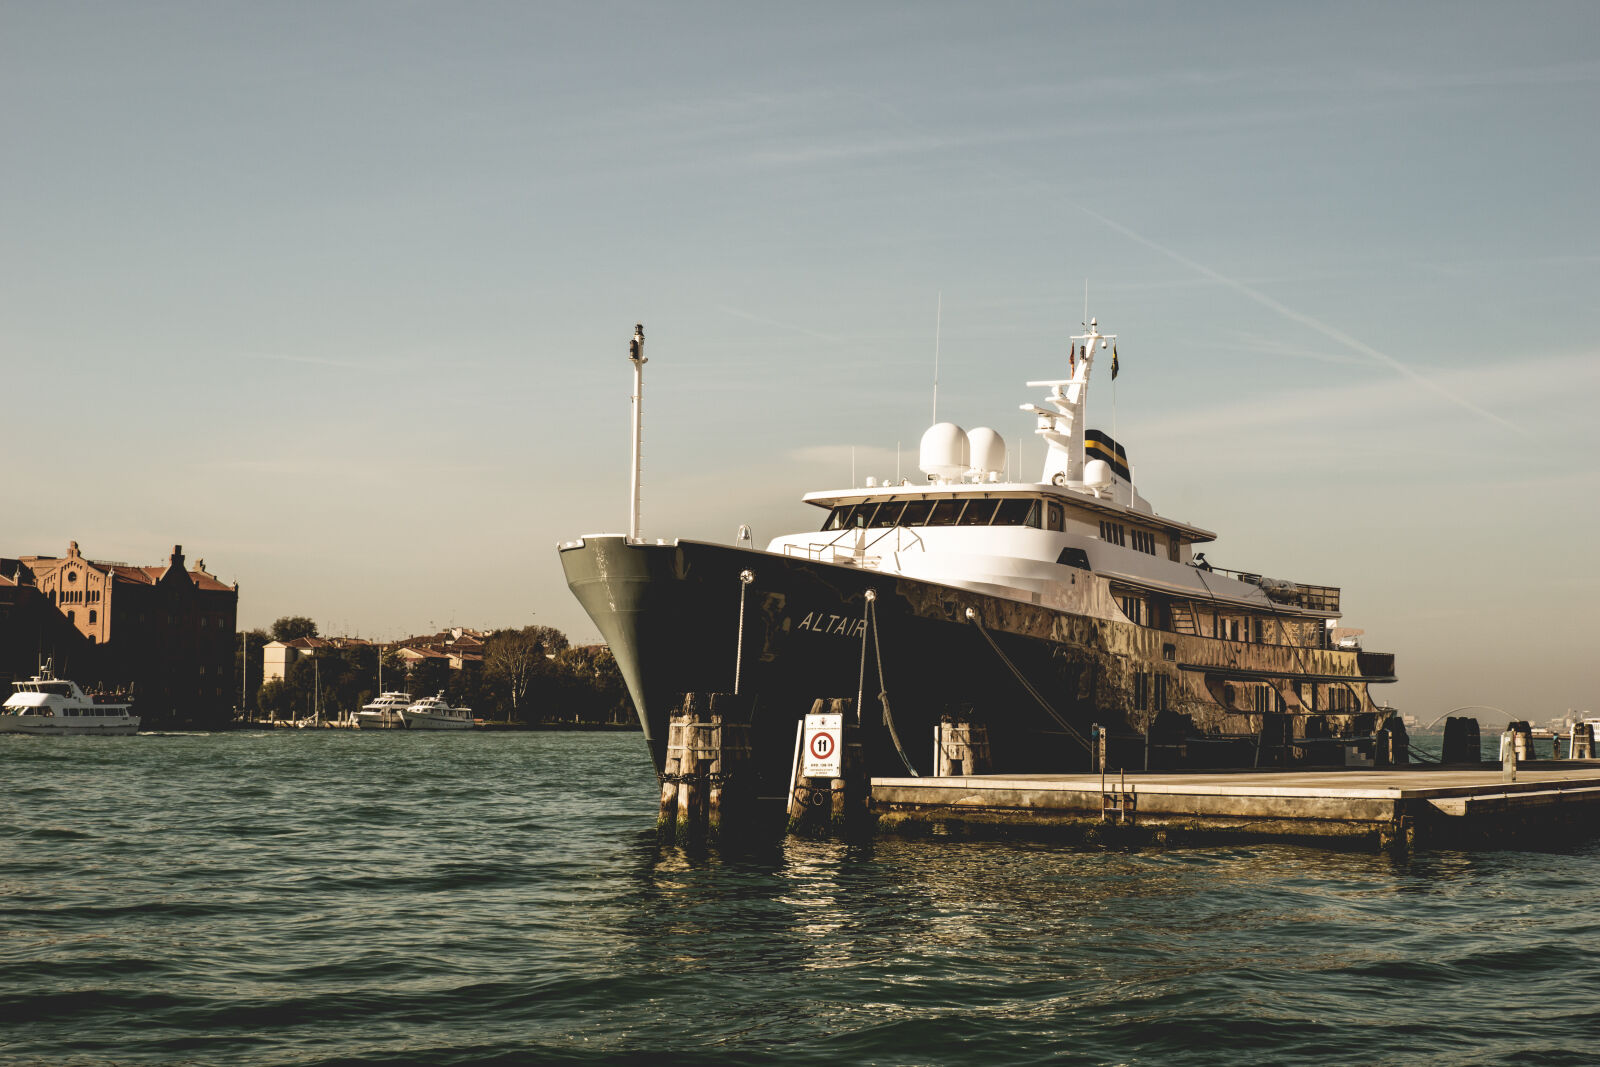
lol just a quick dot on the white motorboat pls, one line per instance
(435, 713)
(49, 706)
(385, 713)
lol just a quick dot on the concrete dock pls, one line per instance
(1548, 800)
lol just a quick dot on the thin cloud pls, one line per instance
(1359, 404)
(315, 361)
(789, 326)
(1331, 332)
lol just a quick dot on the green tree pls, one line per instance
(274, 699)
(593, 689)
(517, 662)
(290, 627)
(428, 677)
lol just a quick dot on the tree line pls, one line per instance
(530, 675)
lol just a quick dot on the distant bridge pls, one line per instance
(1469, 707)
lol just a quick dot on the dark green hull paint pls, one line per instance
(671, 616)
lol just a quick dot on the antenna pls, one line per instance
(938, 322)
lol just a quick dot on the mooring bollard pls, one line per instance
(1582, 742)
(704, 782)
(1393, 746)
(1462, 741)
(960, 746)
(1522, 740)
(829, 790)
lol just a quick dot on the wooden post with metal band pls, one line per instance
(829, 791)
(705, 784)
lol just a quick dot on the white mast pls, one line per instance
(636, 355)
(1061, 424)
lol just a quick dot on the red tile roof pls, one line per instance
(421, 653)
(309, 642)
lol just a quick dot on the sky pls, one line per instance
(338, 295)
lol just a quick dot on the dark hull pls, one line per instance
(670, 614)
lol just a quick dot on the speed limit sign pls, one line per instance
(823, 743)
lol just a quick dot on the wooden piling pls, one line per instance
(961, 746)
(821, 807)
(705, 782)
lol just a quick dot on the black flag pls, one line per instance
(1113, 362)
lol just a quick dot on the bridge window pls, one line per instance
(979, 512)
(1017, 513)
(946, 512)
(888, 513)
(916, 513)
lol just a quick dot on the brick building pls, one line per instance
(165, 631)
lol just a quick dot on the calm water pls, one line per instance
(390, 898)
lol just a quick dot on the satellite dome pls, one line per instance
(944, 452)
(988, 451)
(1097, 474)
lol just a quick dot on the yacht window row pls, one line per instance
(1039, 513)
(950, 511)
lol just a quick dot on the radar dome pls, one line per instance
(988, 451)
(944, 451)
(1097, 474)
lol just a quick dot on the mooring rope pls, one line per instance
(866, 624)
(883, 686)
(745, 578)
(1027, 685)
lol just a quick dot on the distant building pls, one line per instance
(278, 656)
(165, 632)
(458, 648)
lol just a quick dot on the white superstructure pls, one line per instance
(1033, 541)
(46, 705)
(435, 713)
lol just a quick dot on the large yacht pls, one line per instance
(45, 705)
(1065, 613)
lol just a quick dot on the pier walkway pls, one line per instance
(1548, 800)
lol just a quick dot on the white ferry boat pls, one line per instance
(385, 713)
(1064, 613)
(49, 706)
(435, 713)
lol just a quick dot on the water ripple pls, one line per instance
(321, 898)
